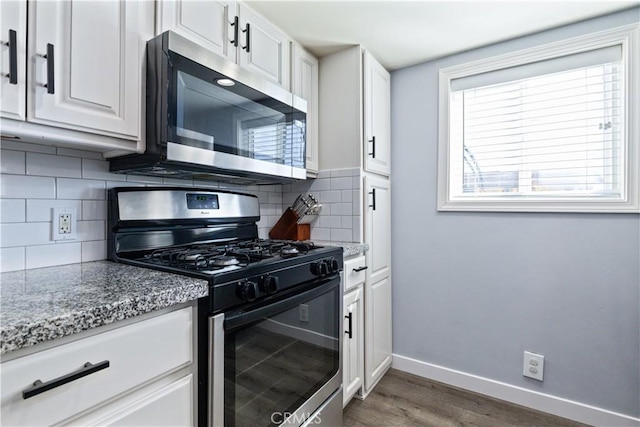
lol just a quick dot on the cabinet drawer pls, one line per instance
(354, 273)
(136, 353)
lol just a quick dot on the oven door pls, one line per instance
(277, 363)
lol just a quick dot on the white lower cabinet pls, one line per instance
(353, 348)
(378, 331)
(137, 383)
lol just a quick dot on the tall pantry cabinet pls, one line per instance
(354, 132)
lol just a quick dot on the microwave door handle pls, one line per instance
(216, 371)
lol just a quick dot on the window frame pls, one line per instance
(629, 38)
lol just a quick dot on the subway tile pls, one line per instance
(330, 221)
(178, 182)
(338, 173)
(341, 209)
(83, 189)
(289, 198)
(356, 202)
(27, 187)
(94, 251)
(356, 183)
(58, 254)
(61, 151)
(12, 210)
(301, 186)
(347, 221)
(24, 146)
(357, 230)
(12, 162)
(143, 179)
(326, 173)
(341, 235)
(25, 234)
(205, 184)
(12, 259)
(347, 195)
(94, 210)
(330, 196)
(91, 230)
(40, 210)
(114, 184)
(345, 183)
(275, 198)
(319, 233)
(320, 184)
(50, 165)
(99, 169)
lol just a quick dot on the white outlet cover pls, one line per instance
(73, 234)
(533, 366)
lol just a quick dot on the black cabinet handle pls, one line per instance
(359, 269)
(373, 199)
(236, 25)
(373, 147)
(349, 316)
(51, 85)
(13, 57)
(40, 387)
(247, 47)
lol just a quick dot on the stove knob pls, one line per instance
(319, 268)
(334, 267)
(270, 284)
(248, 291)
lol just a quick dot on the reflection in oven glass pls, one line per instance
(269, 372)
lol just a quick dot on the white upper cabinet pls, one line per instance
(263, 48)
(209, 23)
(305, 85)
(234, 31)
(85, 65)
(377, 116)
(13, 51)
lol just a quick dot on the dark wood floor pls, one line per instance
(402, 399)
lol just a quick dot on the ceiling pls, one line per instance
(403, 33)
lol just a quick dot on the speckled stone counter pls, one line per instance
(349, 249)
(47, 303)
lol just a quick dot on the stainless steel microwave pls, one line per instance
(207, 118)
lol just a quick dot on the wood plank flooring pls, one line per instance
(402, 399)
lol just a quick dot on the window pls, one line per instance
(553, 128)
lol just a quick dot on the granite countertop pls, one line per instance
(349, 248)
(47, 303)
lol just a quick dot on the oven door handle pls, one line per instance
(238, 320)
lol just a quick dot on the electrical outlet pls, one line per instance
(533, 365)
(304, 313)
(64, 224)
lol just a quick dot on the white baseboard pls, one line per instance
(521, 396)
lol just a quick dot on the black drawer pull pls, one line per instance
(40, 387)
(359, 269)
(13, 57)
(350, 317)
(51, 85)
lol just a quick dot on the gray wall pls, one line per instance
(472, 291)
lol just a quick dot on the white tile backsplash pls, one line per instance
(53, 165)
(49, 255)
(27, 187)
(338, 191)
(12, 210)
(36, 178)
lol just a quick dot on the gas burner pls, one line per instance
(289, 251)
(224, 261)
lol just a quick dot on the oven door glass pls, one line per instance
(277, 362)
(237, 120)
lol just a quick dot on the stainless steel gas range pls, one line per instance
(270, 331)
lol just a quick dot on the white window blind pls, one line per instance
(549, 130)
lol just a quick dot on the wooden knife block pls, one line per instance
(287, 228)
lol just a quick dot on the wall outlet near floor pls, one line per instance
(533, 365)
(64, 224)
(304, 313)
